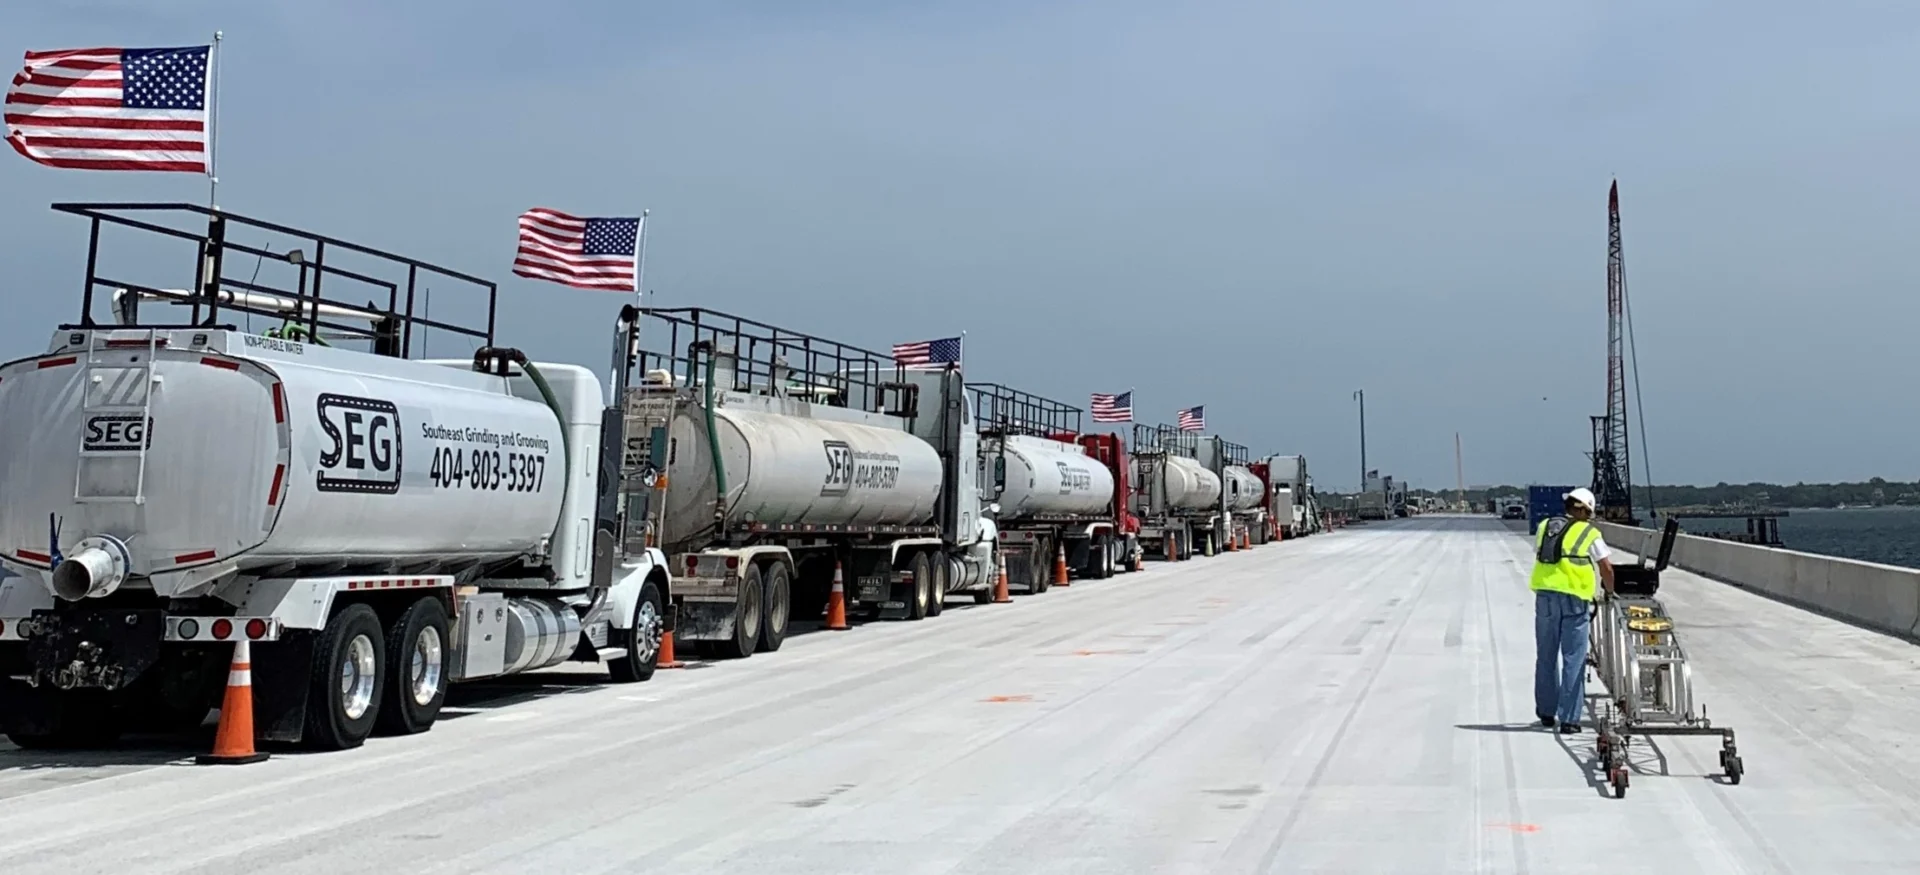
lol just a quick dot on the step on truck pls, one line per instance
(1178, 500)
(1062, 494)
(376, 526)
(786, 462)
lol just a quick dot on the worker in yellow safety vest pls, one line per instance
(1568, 551)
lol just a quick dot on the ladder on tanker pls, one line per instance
(116, 411)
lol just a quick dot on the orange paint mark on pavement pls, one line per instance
(1020, 698)
(1514, 827)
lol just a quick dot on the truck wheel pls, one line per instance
(343, 699)
(417, 660)
(922, 587)
(936, 584)
(1105, 545)
(773, 630)
(746, 616)
(1040, 567)
(643, 654)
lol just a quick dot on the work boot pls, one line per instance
(1569, 729)
(1546, 722)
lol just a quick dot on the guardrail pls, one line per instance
(1885, 598)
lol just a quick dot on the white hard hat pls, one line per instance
(1581, 494)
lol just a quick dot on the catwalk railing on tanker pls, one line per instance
(312, 258)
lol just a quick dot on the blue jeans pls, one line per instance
(1560, 625)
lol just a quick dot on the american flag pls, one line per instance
(1193, 419)
(1113, 408)
(583, 253)
(946, 350)
(112, 109)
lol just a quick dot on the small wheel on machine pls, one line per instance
(643, 653)
(1619, 783)
(348, 681)
(417, 661)
(1735, 769)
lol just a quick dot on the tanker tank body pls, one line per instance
(1178, 499)
(792, 461)
(1243, 515)
(373, 527)
(1061, 495)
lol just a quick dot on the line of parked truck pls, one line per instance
(379, 526)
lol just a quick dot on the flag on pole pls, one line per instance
(1193, 418)
(944, 351)
(112, 109)
(1113, 408)
(598, 254)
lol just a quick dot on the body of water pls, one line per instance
(1888, 535)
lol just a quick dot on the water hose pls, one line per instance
(713, 446)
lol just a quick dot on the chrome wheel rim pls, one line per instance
(646, 632)
(424, 671)
(356, 677)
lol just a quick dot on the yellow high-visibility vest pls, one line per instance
(1568, 568)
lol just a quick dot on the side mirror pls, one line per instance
(994, 508)
(999, 474)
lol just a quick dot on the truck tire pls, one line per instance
(919, 596)
(1040, 567)
(349, 678)
(643, 651)
(746, 616)
(417, 655)
(1104, 547)
(936, 584)
(778, 606)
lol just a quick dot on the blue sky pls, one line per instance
(1258, 207)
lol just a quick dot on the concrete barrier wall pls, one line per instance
(1881, 597)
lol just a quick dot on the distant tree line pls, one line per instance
(1877, 492)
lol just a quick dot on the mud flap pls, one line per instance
(282, 673)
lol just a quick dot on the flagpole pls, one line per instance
(213, 121)
(615, 380)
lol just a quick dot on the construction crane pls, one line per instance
(1612, 469)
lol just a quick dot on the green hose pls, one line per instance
(713, 446)
(553, 404)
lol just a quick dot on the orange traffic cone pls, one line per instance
(233, 743)
(1060, 566)
(666, 659)
(1000, 595)
(837, 602)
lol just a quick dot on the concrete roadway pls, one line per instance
(1355, 702)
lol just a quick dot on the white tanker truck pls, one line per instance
(1179, 500)
(792, 460)
(376, 527)
(1243, 493)
(1059, 491)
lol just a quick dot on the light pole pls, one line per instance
(1361, 394)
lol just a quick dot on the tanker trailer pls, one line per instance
(1178, 498)
(1061, 493)
(375, 527)
(1243, 493)
(793, 461)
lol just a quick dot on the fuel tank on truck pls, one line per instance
(216, 449)
(788, 466)
(1190, 486)
(1049, 478)
(1243, 488)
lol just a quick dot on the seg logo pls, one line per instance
(363, 445)
(839, 468)
(118, 434)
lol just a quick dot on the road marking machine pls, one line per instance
(1637, 655)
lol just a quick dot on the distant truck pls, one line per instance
(1178, 500)
(1289, 500)
(1059, 492)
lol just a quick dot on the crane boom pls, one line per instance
(1612, 471)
